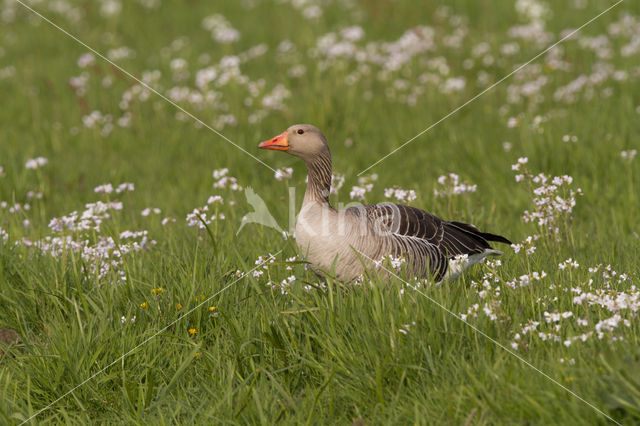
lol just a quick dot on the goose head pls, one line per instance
(302, 140)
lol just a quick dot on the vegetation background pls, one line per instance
(160, 327)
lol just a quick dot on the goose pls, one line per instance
(348, 242)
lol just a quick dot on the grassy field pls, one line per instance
(119, 295)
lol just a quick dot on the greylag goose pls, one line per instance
(348, 242)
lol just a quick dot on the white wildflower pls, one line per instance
(86, 59)
(452, 185)
(107, 188)
(284, 173)
(401, 195)
(167, 220)
(629, 155)
(34, 163)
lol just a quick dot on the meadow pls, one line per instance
(139, 299)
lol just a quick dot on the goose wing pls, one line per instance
(423, 236)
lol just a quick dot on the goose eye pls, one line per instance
(300, 131)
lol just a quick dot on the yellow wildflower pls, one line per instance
(179, 306)
(156, 291)
(212, 308)
(192, 331)
(196, 355)
(144, 305)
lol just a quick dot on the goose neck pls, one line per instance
(319, 179)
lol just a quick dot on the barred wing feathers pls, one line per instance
(425, 239)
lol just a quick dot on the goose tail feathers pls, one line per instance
(485, 235)
(493, 237)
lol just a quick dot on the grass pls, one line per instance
(308, 356)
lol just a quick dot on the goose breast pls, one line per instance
(331, 239)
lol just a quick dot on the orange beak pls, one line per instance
(279, 143)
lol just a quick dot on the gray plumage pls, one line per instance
(346, 242)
